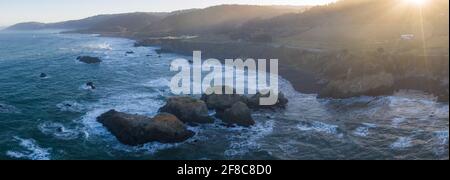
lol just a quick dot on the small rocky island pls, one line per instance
(89, 59)
(136, 130)
(170, 125)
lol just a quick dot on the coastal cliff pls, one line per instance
(332, 74)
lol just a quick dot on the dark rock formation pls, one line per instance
(90, 85)
(187, 109)
(254, 101)
(136, 130)
(425, 84)
(89, 59)
(222, 101)
(238, 114)
(162, 51)
(384, 84)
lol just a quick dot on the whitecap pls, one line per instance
(320, 127)
(86, 87)
(402, 143)
(32, 150)
(100, 46)
(58, 131)
(160, 82)
(148, 148)
(364, 130)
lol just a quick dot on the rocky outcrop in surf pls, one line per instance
(187, 109)
(254, 101)
(384, 84)
(89, 59)
(315, 71)
(221, 102)
(238, 114)
(136, 130)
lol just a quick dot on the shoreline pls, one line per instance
(331, 74)
(302, 67)
(303, 81)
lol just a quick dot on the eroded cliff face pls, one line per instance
(333, 74)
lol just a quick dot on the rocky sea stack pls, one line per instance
(187, 109)
(89, 59)
(169, 126)
(136, 130)
(221, 102)
(238, 114)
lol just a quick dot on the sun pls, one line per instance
(417, 2)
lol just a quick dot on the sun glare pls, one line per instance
(417, 2)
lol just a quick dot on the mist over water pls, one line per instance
(55, 117)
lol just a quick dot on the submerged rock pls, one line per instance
(238, 114)
(89, 59)
(90, 85)
(254, 101)
(163, 51)
(136, 130)
(187, 109)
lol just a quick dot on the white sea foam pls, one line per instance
(247, 140)
(58, 131)
(441, 143)
(86, 87)
(320, 127)
(100, 46)
(31, 150)
(149, 148)
(441, 137)
(160, 82)
(402, 143)
(364, 130)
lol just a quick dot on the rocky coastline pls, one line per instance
(332, 74)
(171, 124)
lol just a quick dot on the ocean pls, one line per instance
(54, 118)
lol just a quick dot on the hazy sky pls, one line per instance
(14, 11)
